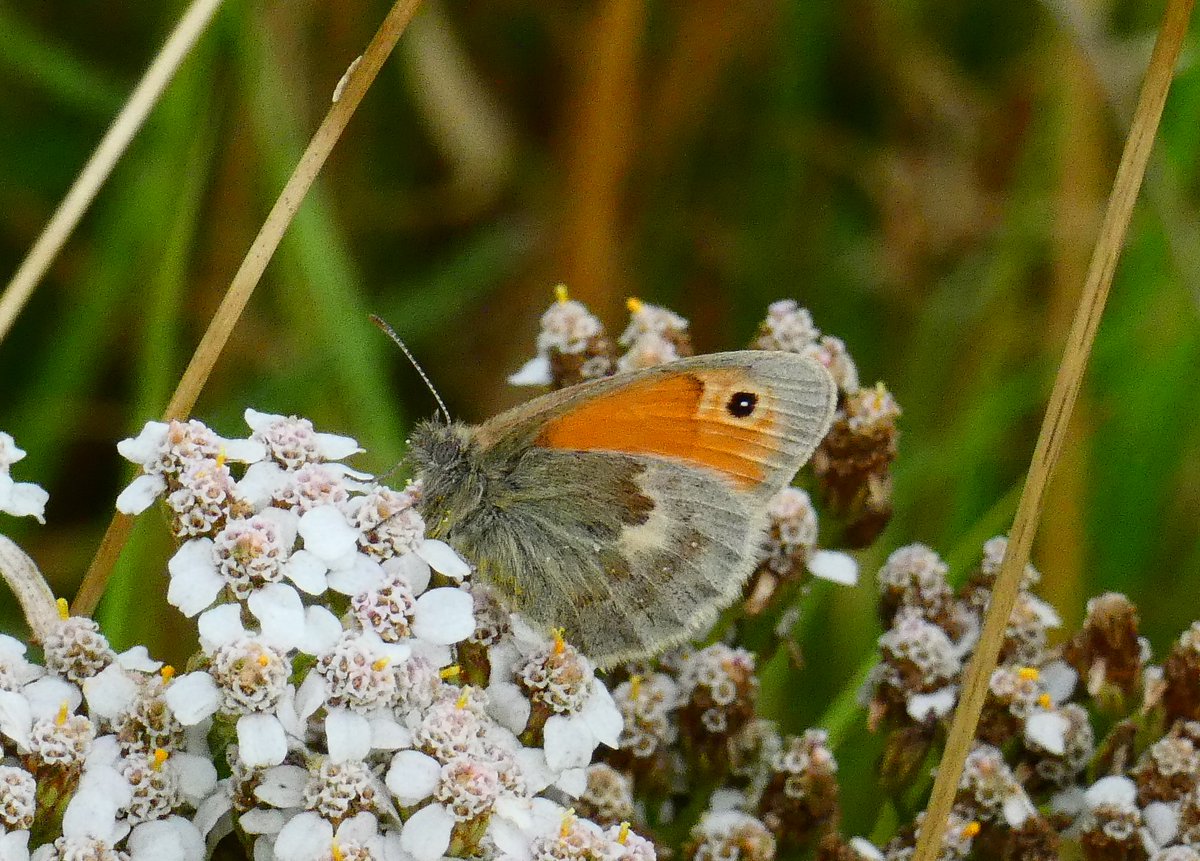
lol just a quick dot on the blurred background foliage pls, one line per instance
(926, 177)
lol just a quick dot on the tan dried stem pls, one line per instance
(1103, 265)
(351, 91)
(30, 588)
(110, 149)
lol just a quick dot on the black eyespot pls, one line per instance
(742, 404)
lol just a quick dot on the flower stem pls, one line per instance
(30, 588)
(1054, 426)
(251, 270)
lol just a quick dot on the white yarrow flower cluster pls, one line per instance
(364, 709)
(78, 729)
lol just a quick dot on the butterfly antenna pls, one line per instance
(391, 333)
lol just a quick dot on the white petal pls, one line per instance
(278, 607)
(138, 659)
(193, 697)
(386, 734)
(444, 616)
(362, 828)
(326, 534)
(195, 582)
(508, 706)
(212, 810)
(865, 849)
(535, 372)
(503, 658)
(1047, 730)
(1070, 801)
(15, 717)
(243, 450)
(508, 835)
(333, 446)
(348, 735)
(602, 716)
(322, 630)
(286, 521)
(145, 447)
(195, 775)
(311, 695)
(261, 740)
(534, 769)
(1058, 679)
(1045, 613)
(830, 565)
(426, 834)
(261, 421)
(140, 494)
(412, 568)
(568, 743)
(1162, 820)
(443, 559)
(573, 781)
(220, 626)
(11, 648)
(1115, 790)
(305, 837)
(261, 481)
(413, 776)
(109, 692)
(10, 453)
(393, 851)
(726, 798)
(306, 571)
(438, 655)
(262, 820)
(170, 839)
(27, 500)
(47, 695)
(106, 750)
(938, 704)
(92, 810)
(283, 786)
(1017, 808)
(359, 573)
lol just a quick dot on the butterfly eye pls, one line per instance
(741, 404)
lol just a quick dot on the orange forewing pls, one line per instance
(681, 416)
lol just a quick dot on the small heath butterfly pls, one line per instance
(627, 510)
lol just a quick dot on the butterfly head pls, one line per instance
(445, 458)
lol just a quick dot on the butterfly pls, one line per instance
(627, 511)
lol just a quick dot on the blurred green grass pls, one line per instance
(927, 183)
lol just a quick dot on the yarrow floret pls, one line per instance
(18, 498)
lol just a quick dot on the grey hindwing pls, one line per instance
(629, 555)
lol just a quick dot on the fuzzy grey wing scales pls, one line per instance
(681, 568)
(634, 555)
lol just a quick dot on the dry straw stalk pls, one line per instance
(110, 149)
(1054, 426)
(358, 79)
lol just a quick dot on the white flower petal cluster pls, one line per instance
(95, 721)
(363, 708)
(18, 498)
